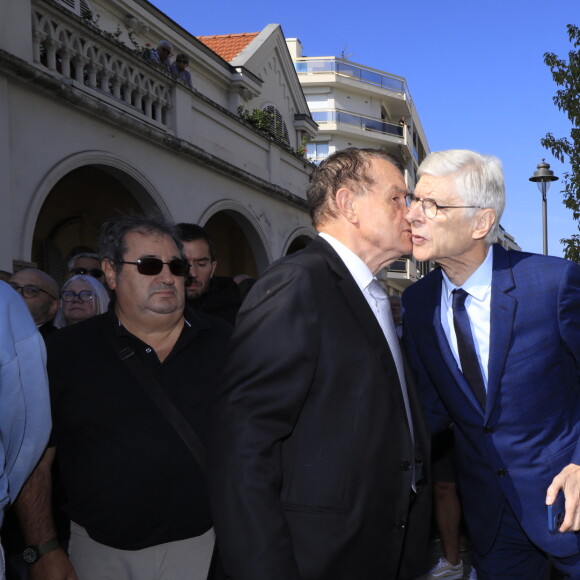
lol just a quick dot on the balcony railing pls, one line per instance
(404, 268)
(78, 54)
(349, 69)
(359, 121)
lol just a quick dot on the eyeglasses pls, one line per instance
(152, 266)
(29, 290)
(431, 207)
(83, 295)
(94, 272)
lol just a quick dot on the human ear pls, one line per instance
(345, 200)
(110, 273)
(482, 223)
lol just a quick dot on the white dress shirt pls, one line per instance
(363, 277)
(477, 304)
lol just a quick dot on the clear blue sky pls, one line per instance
(475, 71)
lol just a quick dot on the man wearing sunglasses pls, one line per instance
(137, 497)
(494, 339)
(40, 292)
(88, 264)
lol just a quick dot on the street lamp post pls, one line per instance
(543, 178)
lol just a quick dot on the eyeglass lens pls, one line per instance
(83, 295)
(428, 206)
(28, 291)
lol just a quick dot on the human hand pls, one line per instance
(52, 566)
(567, 481)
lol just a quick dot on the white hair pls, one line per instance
(478, 179)
(100, 297)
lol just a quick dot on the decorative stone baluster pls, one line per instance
(117, 82)
(37, 39)
(138, 98)
(92, 70)
(78, 63)
(157, 110)
(51, 47)
(106, 76)
(128, 89)
(65, 55)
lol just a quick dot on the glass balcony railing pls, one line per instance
(399, 266)
(357, 121)
(349, 69)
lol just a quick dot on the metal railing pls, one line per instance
(355, 71)
(366, 123)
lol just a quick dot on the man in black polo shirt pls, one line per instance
(137, 498)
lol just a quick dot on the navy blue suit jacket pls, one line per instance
(530, 428)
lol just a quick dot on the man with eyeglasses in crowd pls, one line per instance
(40, 292)
(137, 498)
(494, 339)
(88, 264)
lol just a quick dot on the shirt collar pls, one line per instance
(358, 269)
(478, 284)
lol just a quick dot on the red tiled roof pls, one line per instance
(228, 46)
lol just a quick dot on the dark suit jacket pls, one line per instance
(530, 428)
(310, 461)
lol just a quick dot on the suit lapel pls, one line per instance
(503, 308)
(433, 306)
(362, 312)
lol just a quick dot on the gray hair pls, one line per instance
(71, 262)
(344, 168)
(478, 178)
(100, 297)
(166, 44)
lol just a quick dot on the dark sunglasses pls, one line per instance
(152, 266)
(94, 272)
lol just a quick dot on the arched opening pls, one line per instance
(71, 215)
(239, 247)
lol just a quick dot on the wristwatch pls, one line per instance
(32, 554)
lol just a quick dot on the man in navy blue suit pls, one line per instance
(493, 337)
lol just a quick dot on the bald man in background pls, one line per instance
(40, 292)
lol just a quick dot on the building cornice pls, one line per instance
(24, 73)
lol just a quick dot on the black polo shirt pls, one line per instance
(129, 478)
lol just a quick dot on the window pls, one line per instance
(79, 7)
(317, 152)
(278, 127)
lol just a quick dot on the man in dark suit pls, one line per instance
(494, 339)
(316, 460)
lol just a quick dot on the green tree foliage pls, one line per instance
(566, 75)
